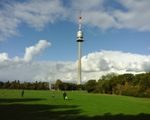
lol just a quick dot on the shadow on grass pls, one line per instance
(56, 112)
(37, 112)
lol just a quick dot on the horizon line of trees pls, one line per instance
(126, 84)
(25, 85)
(59, 85)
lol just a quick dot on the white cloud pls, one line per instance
(35, 50)
(94, 65)
(35, 13)
(30, 53)
(86, 5)
(131, 14)
(114, 60)
(93, 13)
(3, 57)
(32, 71)
(8, 25)
(100, 19)
(136, 15)
(38, 13)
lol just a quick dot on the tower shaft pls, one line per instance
(79, 63)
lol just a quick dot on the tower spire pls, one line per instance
(80, 22)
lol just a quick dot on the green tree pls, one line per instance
(59, 85)
(91, 86)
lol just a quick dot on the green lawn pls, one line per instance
(41, 105)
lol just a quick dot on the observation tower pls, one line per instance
(79, 41)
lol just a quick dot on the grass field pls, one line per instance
(41, 105)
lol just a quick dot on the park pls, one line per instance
(80, 105)
(74, 60)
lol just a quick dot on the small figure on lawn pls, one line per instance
(65, 96)
(22, 93)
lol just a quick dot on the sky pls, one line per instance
(38, 39)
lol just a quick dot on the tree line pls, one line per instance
(26, 85)
(58, 85)
(126, 84)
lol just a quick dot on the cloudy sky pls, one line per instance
(38, 38)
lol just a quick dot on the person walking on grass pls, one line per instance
(65, 96)
(22, 93)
